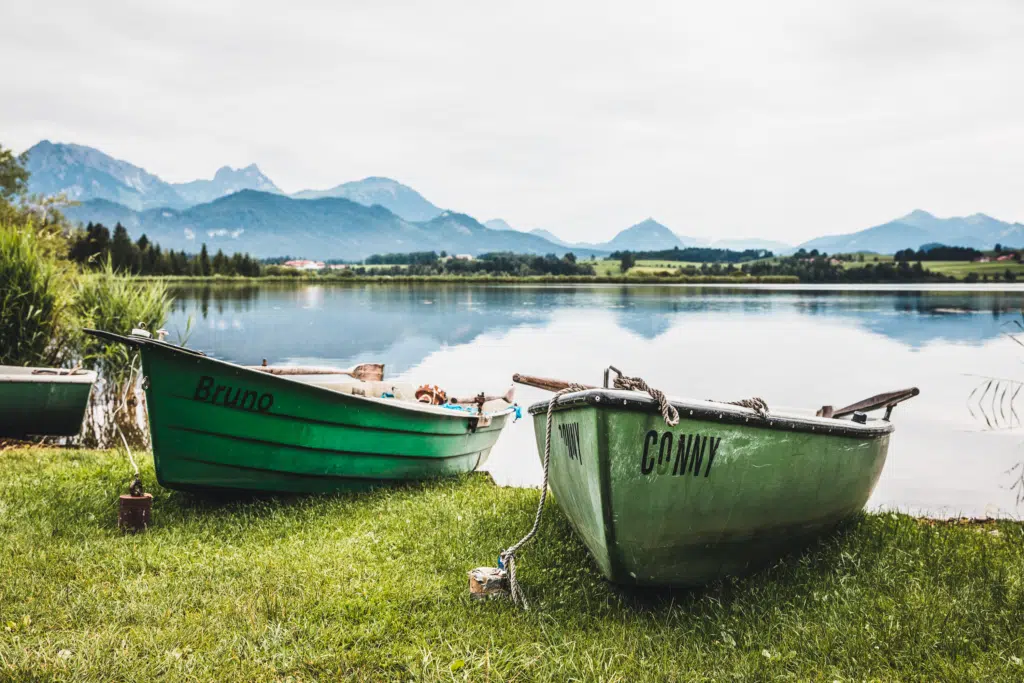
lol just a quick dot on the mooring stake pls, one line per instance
(136, 508)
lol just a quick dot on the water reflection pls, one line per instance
(793, 346)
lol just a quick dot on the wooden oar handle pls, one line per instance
(271, 370)
(886, 400)
(544, 382)
(508, 397)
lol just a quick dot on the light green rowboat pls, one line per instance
(43, 401)
(217, 425)
(723, 492)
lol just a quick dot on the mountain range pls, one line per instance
(244, 210)
(920, 227)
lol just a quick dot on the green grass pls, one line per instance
(373, 587)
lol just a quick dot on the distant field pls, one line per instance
(961, 269)
(608, 267)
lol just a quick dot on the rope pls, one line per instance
(668, 411)
(756, 404)
(508, 557)
(120, 408)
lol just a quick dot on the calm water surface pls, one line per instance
(794, 346)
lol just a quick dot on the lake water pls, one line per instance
(795, 346)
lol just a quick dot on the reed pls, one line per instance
(36, 297)
(117, 302)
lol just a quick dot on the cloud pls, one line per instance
(780, 120)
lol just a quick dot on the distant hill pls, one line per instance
(648, 235)
(226, 181)
(83, 173)
(549, 236)
(498, 224)
(920, 227)
(397, 198)
(266, 224)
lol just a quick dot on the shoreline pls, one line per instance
(749, 282)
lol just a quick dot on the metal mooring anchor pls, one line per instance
(488, 582)
(134, 514)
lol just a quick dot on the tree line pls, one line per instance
(505, 264)
(819, 268)
(95, 246)
(695, 254)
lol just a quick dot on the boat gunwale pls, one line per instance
(708, 411)
(413, 406)
(25, 376)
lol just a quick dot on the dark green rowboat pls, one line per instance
(723, 492)
(43, 401)
(217, 425)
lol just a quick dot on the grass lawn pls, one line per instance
(373, 587)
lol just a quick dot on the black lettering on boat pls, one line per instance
(649, 440)
(231, 397)
(665, 452)
(682, 453)
(690, 450)
(715, 443)
(570, 433)
(203, 388)
(251, 397)
(697, 454)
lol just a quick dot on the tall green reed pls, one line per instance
(117, 302)
(36, 299)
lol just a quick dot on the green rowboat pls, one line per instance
(43, 401)
(217, 425)
(723, 492)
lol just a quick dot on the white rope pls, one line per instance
(124, 404)
(508, 557)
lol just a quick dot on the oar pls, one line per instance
(887, 400)
(481, 398)
(545, 383)
(365, 372)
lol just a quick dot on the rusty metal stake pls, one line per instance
(135, 510)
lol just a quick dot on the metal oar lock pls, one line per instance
(135, 509)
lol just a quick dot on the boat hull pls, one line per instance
(215, 425)
(43, 405)
(722, 493)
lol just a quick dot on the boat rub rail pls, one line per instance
(718, 412)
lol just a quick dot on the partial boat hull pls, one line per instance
(721, 493)
(43, 401)
(216, 425)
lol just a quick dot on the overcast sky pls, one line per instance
(785, 119)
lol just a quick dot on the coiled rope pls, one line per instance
(756, 404)
(668, 411)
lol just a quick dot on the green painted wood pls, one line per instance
(653, 514)
(42, 405)
(217, 425)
